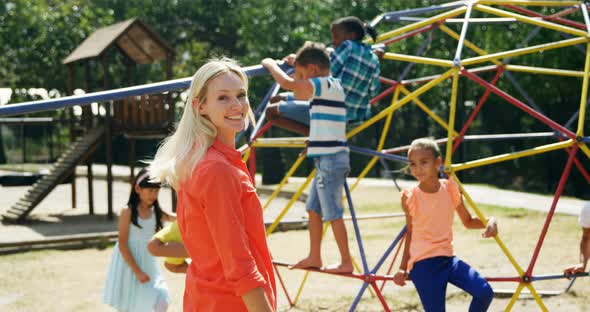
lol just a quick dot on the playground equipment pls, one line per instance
(146, 116)
(571, 141)
(402, 94)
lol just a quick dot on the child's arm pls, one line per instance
(401, 275)
(170, 249)
(471, 222)
(176, 268)
(123, 226)
(584, 254)
(168, 216)
(302, 89)
(255, 300)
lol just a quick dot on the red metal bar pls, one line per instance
(383, 94)
(485, 96)
(553, 17)
(565, 12)
(252, 164)
(504, 279)
(399, 246)
(552, 124)
(560, 187)
(380, 296)
(582, 170)
(412, 33)
(429, 78)
(388, 81)
(262, 130)
(283, 286)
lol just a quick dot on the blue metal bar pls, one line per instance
(518, 87)
(395, 15)
(572, 119)
(364, 151)
(419, 52)
(357, 231)
(260, 113)
(480, 20)
(358, 297)
(389, 249)
(557, 276)
(111, 95)
(570, 285)
(457, 59)
(586, 139)
(584, 10)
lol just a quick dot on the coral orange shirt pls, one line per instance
(221, 223)
(432, 220)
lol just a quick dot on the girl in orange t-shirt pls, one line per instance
(219, 213)
(428, 257)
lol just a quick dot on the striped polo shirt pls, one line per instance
(327, 114)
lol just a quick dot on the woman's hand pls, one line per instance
(491, 229)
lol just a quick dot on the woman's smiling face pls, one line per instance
(226, 104)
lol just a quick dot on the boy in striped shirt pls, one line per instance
(326, 146)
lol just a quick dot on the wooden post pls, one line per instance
(108, 139)
(174, 199)
(90, 187)
(131, 160)
(23, 143)
(72, 128)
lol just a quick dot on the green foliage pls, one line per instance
(35, 36)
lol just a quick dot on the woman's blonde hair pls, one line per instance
(179, 153)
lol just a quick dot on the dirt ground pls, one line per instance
(72, 280)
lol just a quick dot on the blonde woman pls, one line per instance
(219, 212)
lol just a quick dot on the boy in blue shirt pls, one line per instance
(327, 147)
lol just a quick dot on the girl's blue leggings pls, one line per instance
(430, 276)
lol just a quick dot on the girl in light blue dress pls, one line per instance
(134, 281)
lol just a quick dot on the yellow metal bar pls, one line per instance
(280, 142)
(273, 226)
(584, 149)
(300, 289)
(428, 21)
(530, 3)
(284, 180)
(427, 110)
(522, 51)
(531, 20)
(484, 220)
(509, 156)
(405, 100)
(546, 71)
(537, 297)
(582, 113)
(417, 59)
(466, 42)
(365, 171)
(291, 140)
(246, 154)
(453, 109)
(514, 297)
(358, 269)
(386, 127)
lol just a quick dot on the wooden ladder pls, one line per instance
(65, 166)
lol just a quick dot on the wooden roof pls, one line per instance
(133, 37)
